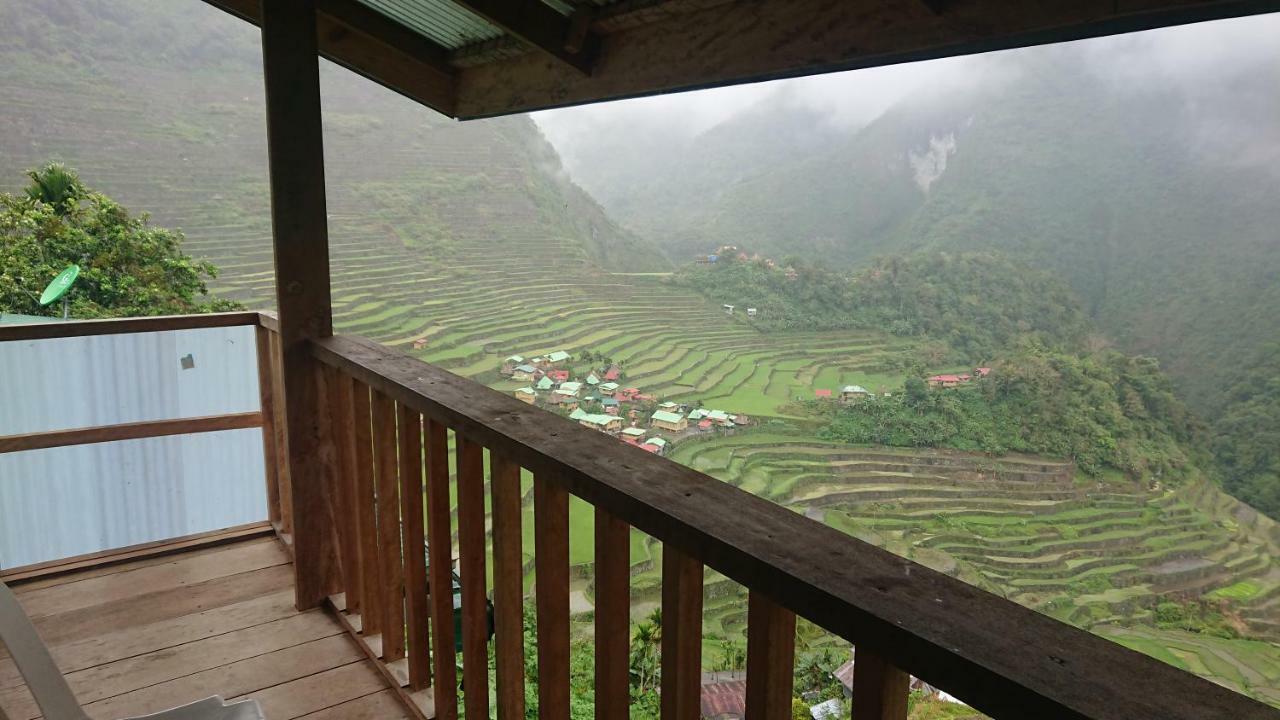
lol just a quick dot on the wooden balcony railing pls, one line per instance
(390, 420)
(398, 439)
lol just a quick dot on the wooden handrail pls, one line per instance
(129, 431)
(120, 326)
(1004, 659)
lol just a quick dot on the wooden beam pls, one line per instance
(300, 238)
(374, 46)
(1004, 659)
(567, 39)
(122, 326)
(694, 44)
(129, 431)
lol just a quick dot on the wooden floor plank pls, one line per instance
(242, 678)
(167, 604)
(178, 572)
(378, 706)
(320, 691)
(121, 644)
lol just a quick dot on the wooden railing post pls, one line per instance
(472, 576)
(267, 404)
(300, 239)
(417, 610)
(551, 570)
(440, 572)
(613, 615)
(681, 635)
(508, 587)
(879, 689)
(771, 653)
(385, 459)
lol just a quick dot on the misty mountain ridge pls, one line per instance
(1151, 194)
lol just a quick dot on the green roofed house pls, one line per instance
(668, 405)
(717, 415)
(592, 379)
(570, 388)
(526, 394)
(697, 414)
(603, 423)
(608, 388)
(634, 431)
(545, 383)
(852, 392)
(579, 414)
(656, 441)
(675, 422)
(558, 356)
(517, 359)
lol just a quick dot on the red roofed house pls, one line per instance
(826, 394)
(613, 373)
(704, 424)
(724, 700)
(559, 375)
(945, 381)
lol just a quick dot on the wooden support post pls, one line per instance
(385, 458)
(771, 654)
(508, 587)
(613, 615)
(472, 576)
(681, 635)
(417, 610)
(301, 243)
(879, 689)
(285, 529)
(440, 572)
(266, 402)
(551, 578)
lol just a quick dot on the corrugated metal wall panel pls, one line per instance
(67, 501)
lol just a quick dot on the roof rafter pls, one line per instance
(370, 44)
(567, 39)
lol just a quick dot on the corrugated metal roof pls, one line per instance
(439, 20)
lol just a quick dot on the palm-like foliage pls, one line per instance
(57, 186)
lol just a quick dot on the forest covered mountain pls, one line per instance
(161, 107)
(1152, 192)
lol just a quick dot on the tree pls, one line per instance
(128, 266)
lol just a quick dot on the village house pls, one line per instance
(633, 434)
(704, 424)
(674, 422)
(608, 388)
(568, 402)
(822, 394)
(659, 445)
(526, 394)
(668, 406)
(523, 372)
(613, 372)
(603, 423)
(419, 343)
(540, 362)
(592, 379)
(558, 375)
(853, 392)
(751, 312)
(506, 369)
(558, 357)
(947, 381)
(569, 388)
(610, 405)
(627, 394)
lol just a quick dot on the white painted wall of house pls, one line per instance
(66, 501)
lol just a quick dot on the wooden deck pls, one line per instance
(143, 636)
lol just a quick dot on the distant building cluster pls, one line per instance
(600, 402)
(950, 381)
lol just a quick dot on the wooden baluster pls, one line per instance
(471, 573)
(384, 458)
(613, 615)
(341, 423)
(266, 401)
(879, 689)
(372, 607)
(681, 635)
(283, 480)
(551, 567)
(440, 572)
(771, 652)
(417, 609)
(508, 586)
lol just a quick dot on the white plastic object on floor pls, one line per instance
(54, 696)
